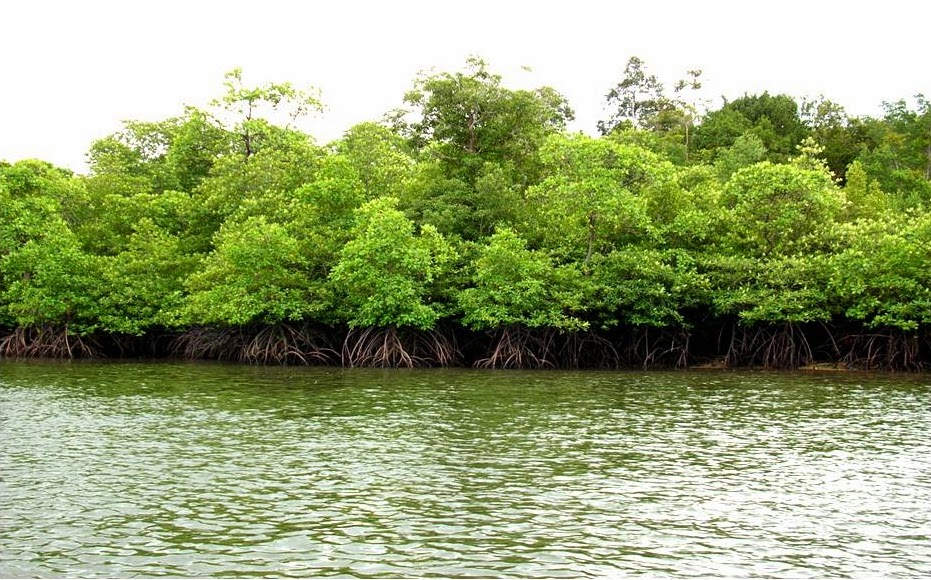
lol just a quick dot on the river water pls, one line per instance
(130, 469)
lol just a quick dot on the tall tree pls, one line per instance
(594, 196)
(142, 287)
(635, 101)
(774, 119)
(261, 116)
(899, 153)
(467, 119)
(840, 137)
(778, 209)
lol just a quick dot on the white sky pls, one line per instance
(71, 71)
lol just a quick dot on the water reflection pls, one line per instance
(191, 470)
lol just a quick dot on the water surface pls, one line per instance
(129, 469)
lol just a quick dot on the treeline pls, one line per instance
(470, 228)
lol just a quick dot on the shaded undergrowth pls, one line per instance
(724, 344)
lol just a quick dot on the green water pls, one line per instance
(123, 470)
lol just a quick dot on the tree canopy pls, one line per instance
(471, 226)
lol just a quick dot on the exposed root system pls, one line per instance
(724, 344)
(518, 347)
(47, 342)
(651, 348)
(391, 347)
(779, 347)
(893, 350)
(581, 350)
(208, 343)
(284, 344)
(277, 344)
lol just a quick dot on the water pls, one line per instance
(122, 470)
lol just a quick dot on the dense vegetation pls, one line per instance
(470, 228)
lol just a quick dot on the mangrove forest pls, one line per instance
(470, 227)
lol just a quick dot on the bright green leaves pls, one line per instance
(595, 196)
(45, 276)
(142, 287)
(865, 198)
(30, 198)
(603, 207)
(386, 273)
(779, 209)
(882, 276)
(512, 285)
(255, 114)
(773, 291)
(265, 185)
(637, 103)
(774, 260)
(747, 150)
(477, 207)
(147, 157)
(645, 287)
(898, 152)
(476, 143)
(774, 119)
(33, 178)
(380, 158)
(254, 275)
(50, 280)
(467, 119)
(280, 97)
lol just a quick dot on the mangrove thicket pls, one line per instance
(470, 227)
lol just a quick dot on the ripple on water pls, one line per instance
(231, 471)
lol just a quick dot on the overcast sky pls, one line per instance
(73, 70)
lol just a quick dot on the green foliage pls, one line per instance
(380, 157)
(469, 119)
(865, 198)
(196, 143)
(772, 291)
(145, 157)
(512, 285)
(50, 280)
(881, 278)
(641, 111)
(595, 196)
(774, 119)
(699, 221)
(265, 184)
(645, 287)
(779, 209)
(34, 178)
(104, 223)
(31, 194)
(747, 150)
(386, 273)
(899, 152)
(254, 114)
(840, 137)
(142, 287)
(322, 212)
(255, 274)
(478, 206)
(459, 210)
(636, 100)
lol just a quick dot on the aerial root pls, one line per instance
(47, 342)
(518, 347)
(280, 344)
